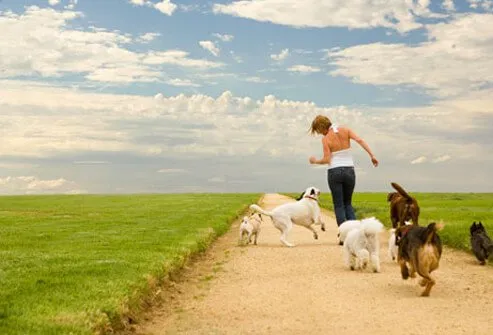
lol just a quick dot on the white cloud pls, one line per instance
(180, 58)
(17, 166)
(484, 4)
(165, 7)
(448, 5)
(224, 37)
(40, 42)
(337, 13)
(138, 2)
(211, 47)
(216, 180)
(182, 82)
(258, 80)
(43, 122)
(192, 7)
(53, 2)
(303, 51)
(71, 5)
(216, 75)
(304, 69)
(90, 162)
(92, 124)
(455, 60)
(171, 171)
(236, 58)
(128, 74)
(34, 185)
(148, 37)
(280, 56)
(441, 159)
(419, 160)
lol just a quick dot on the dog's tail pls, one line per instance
(255, 215)
(431, 231)
(259, 209)
(371, 226)
(401, 191)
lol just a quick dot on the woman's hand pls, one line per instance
(374, 161)
(312, 160)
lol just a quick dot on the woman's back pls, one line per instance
(340, 140)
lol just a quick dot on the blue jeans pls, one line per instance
(341, 183)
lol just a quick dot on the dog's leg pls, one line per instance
(404, 269)
(375, 261)
(322, 224)
(242, 237)
(363, 258)
(353, 265)
(348, 259)
(285, 227)
(481, 256)
(315, 235)
(429, 283)
(395, 251)
(412, 270)
(339, 239)
(255, 239)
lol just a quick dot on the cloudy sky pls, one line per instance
(131, 96)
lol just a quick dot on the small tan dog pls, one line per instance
(250, 226)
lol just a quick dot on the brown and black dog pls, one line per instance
(403, 207)
(421, 248)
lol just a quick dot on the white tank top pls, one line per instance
(341, 158)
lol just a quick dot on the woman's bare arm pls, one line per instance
(327, 153)
(364, 145)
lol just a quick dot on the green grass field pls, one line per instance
(70, 263)
(456, 210)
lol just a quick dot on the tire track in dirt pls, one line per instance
(272, 289)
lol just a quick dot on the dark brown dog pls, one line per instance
(421, 248)
(403, 207)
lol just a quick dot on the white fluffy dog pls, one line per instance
(304, 212)
(362, 245)
(393, 247)
(250, 226)
(345, 228)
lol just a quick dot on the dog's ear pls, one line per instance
(313, 192)
(473, 227)
(301, 196)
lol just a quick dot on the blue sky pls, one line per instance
(176, 96)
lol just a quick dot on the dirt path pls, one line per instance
(271, 289)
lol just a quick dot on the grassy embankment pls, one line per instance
(72, 264)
